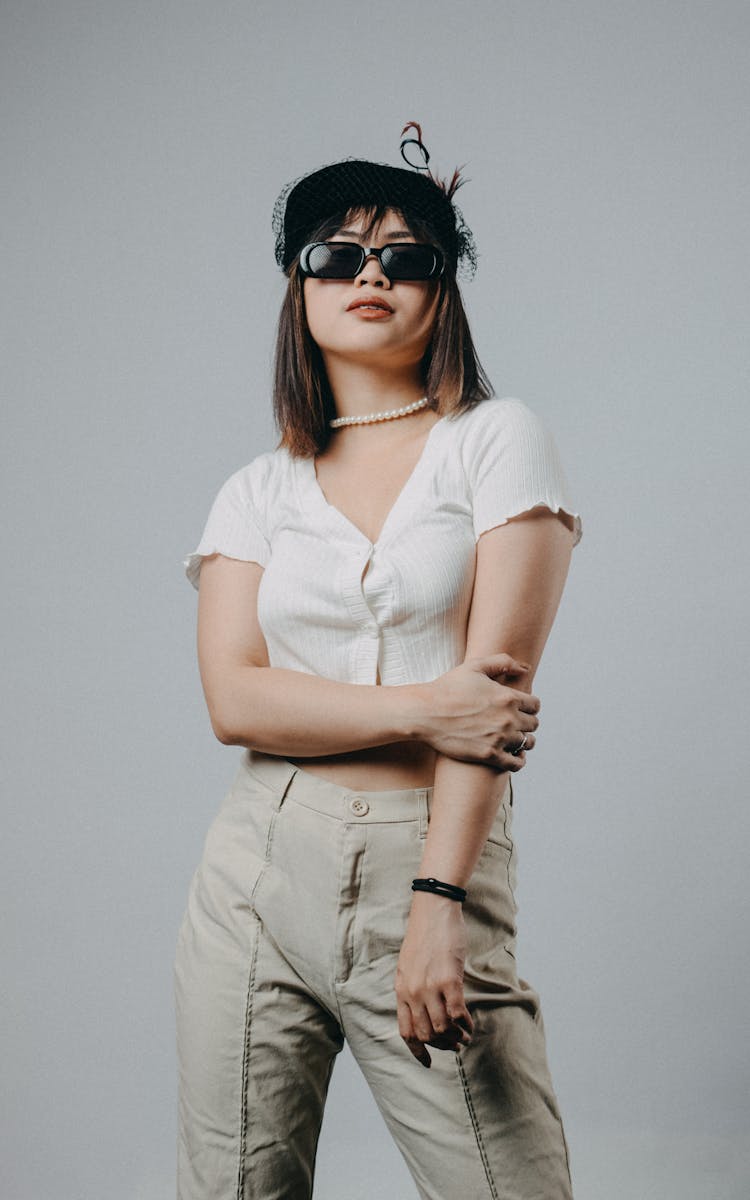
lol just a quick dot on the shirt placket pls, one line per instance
(366, 649)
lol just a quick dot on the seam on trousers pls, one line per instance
(267, 853)
(567, 1151)
(475, 1126)
(245, 1064)
(511, 848)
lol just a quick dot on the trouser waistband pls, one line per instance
(333, 799)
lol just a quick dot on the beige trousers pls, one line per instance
(288, 946)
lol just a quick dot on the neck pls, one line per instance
(360, 389)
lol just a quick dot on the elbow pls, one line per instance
(223, 719)
(222, 728)
(232, 727)
(220, 714)
(231, 735)
(224, 733)
(230, 704)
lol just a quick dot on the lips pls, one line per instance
(369, 302)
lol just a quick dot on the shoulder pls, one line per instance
(503, 424)
(253, 475)
(250, 486)
(498, 413)
(512, 464)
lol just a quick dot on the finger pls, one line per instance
(461, 1018)
(453, 1039)
(520, 742)
(511, 762)
(456, 1032)
(408, 1033)
(525, 741)
(454, 1036)
(528, 703)
(420, 1051)
(421, 1021)
(438, 1017)
(503, 664)
(515, 663)
(455, 1005)
(405, 1025)
(465, 1020)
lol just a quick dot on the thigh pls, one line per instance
(255, 1047)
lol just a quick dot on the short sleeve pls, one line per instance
(234, 526)
(513, 465)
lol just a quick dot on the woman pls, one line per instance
(375, 595)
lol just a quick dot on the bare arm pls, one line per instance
(520, 575)
(279, 711)
(467, 713)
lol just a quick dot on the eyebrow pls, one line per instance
(394, 233)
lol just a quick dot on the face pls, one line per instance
(400, 335)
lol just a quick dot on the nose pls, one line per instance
(372, 273)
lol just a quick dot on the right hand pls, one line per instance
(474, 718)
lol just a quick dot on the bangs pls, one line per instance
(371, 217)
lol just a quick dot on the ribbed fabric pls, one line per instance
(407, 616)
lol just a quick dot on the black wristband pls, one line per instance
(452, 890)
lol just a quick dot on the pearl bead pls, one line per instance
(388, 415)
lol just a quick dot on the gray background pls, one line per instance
(143, 146)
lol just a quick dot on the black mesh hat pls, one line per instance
(330, 192)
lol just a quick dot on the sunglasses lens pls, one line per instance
(410, 262)
(343, 260)
(329, 260)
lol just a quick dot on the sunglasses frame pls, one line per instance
(438, 265)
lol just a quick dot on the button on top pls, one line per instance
(359, 806)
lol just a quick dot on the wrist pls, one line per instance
(429, 907)
(438, 897)
(415, 711)
(433, 898)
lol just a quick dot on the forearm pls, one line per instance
(521, 571)
(465, 800)
(293, 713)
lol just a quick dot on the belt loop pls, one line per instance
(423, 811)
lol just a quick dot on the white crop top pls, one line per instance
(331, 602)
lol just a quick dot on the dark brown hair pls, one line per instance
(452, 376)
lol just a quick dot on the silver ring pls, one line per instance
(520, 747)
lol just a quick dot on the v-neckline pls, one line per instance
(336, 516)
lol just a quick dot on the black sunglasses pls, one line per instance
(345, 260)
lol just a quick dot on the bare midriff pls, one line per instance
(403, 764)
(377, 768)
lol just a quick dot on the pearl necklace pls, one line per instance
(380, 416)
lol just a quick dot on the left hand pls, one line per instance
(429, 980)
